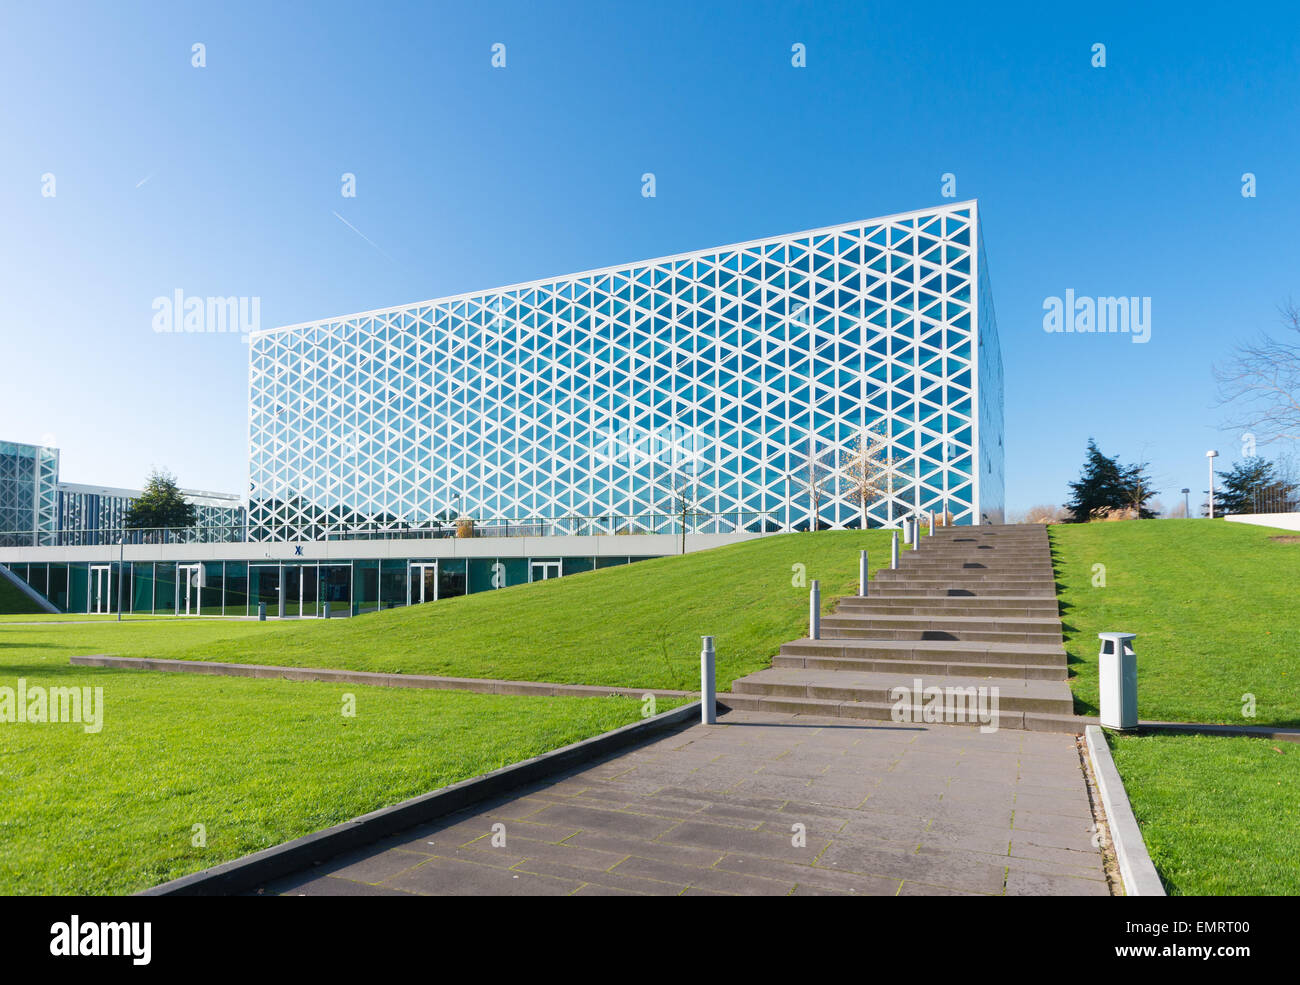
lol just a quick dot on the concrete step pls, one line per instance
(957, 668)
(859, 630)
(904, 590)
(848, 619)
(935, 651)
(960, 576)
(949, 606)
(866, 711)
(944, 603)
(880, 689)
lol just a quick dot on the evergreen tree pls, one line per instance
(160, 505)
(1106, 485)
(1254, 485)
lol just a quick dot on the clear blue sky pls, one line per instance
(225, 180)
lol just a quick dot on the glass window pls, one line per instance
(451, 578)
(365, 588)
(264, 588)
(58, 593)
(392, 583)
(336, 588)
(480, 574)
(236, 603)
(577, 565)
(214, 581)
(164, 590)
(78, 588)
(516, 570)
(141, 586)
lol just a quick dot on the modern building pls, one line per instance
(737, 377)
(575, 423)
(29, 479)
(38, 510)
(97, 514)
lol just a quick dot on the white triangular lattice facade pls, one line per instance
(602, 394)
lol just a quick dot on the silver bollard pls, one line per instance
(327, 610)
(862, 575)
(1119, 681)
(281, 609)
(708, 685)
(916, 533)
(815, 611)
(893, 551)
(261, 612)
(931, 533)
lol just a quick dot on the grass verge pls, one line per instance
(636, 625)
(255, 762)
(1218, 814)
(1214, 607)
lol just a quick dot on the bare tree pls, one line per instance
(815, 477)
(1043, 513)
(868, 466)
(685, 502)
(1262, 383)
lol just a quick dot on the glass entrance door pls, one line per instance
(101, 580)
(542, 570)
(189, 579)
(424, 582)
(308, 590)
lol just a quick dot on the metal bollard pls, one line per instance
(708, 685)
(1119, 680)
(261, 612)
(931, 533)
(815, 611)
(862, 575)
(893, 551)
(916, 533)
(327, 610)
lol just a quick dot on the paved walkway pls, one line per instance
(885, 809)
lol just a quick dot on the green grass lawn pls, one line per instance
(1214, 605)
(1219, 814)
(257, 762)
(637, 625)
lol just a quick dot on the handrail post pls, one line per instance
(708, 683)
(815, 611)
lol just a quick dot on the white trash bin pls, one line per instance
(1119, 681)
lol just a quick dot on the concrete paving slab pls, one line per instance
(749, 807)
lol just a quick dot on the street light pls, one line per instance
(1187, 503)
(1211, 455)
(121, 570)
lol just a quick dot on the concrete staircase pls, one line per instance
(974, 607)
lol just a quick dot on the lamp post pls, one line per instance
(121, 571)
(1187, 503)
(1210, 456)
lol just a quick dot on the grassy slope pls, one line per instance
(637, 625)
(14, 601)
(257, 762)
(1218, 815)
(1213, 604)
